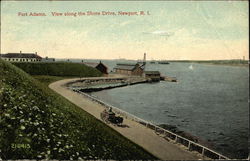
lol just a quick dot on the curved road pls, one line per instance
(135, 132)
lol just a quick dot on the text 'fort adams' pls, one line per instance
(87, 13)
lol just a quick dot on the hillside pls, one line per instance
(37, 123)
(58, 69)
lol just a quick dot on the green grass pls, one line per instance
(58, 69)
(49, 79)
(37, 123)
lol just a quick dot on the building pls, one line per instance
(47, 59)
(152, 75)
(128, 69)
(21, 57)
(99, 66)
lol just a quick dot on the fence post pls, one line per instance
(189, 144)
(203, 151)
(176, 138)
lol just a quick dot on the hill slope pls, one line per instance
(58, 69)
(36, 123)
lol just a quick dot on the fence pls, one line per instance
(192, 146)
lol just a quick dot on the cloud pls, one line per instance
(125, 23)
(160, 33)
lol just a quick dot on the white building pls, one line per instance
(21, 57)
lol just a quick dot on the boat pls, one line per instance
(163, 62)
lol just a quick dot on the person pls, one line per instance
(111, 113)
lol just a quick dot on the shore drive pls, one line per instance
(134, 131)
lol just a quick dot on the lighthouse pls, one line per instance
(144, 59)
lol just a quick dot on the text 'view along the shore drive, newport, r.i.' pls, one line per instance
(87, 13)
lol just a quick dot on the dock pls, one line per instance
(102, 83)
(94, 84)
(169, 79)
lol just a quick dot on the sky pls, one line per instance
(169, 30)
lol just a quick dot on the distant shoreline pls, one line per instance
(235, 65)
(239, 63)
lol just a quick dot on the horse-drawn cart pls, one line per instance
(109, 117)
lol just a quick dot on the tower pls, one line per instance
(144, 59)
(143, 62)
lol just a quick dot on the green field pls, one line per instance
(58, 69)
(37, 123)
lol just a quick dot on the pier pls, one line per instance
(94, 84)
(169, 79)
(102, 83)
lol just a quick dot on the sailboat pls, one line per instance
(191, 67)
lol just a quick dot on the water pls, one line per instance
(209, 101)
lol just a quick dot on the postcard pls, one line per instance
(124, 80)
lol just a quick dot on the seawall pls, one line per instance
(103, 83)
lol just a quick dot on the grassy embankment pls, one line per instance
(37, 123)
(58, 69)
(46, 79)
(51, 72)
(217, 62)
